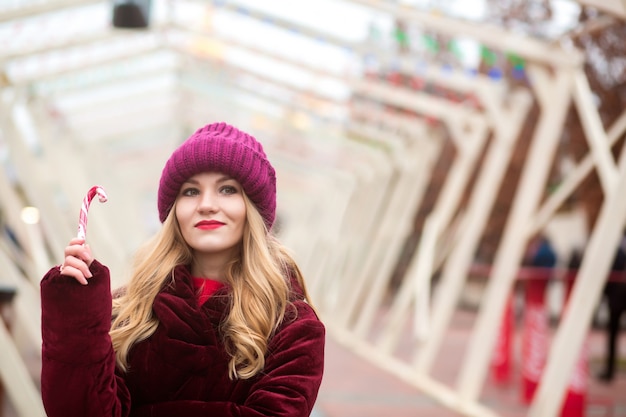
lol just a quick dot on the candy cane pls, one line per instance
(82, 219)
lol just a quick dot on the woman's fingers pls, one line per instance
(75, 273)
(77, 261)
(79, 264)
(79, 249)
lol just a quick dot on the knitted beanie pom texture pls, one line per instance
(220, 147)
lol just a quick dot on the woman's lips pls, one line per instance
(209, 224)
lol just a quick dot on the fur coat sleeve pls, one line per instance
(78, 375)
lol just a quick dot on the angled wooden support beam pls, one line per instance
(372, 211)
(415, 288)
(130, 54)
(26, 304)
(277, 21)
(570, 335)
(554, 95)
(37, 49)
(37, 8)
(573, 179)
(490, 35)
(599, 143)
(458, 119)
(614, 7)
(403, 203)
(11, 205)
(59, 164)
(14, 374)
(395, 122)
(15, 378)
(414, 100)
(455, 79)
(416, 284)
(26, 164)
(457, 265)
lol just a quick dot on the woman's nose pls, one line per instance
(208, 202)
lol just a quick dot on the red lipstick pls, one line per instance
(208, 224)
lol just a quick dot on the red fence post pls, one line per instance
(576, 397)
(503, 352)
(534, 336)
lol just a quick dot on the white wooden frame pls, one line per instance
(504, 116)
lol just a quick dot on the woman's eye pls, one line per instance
(190, 192)
(228, 189)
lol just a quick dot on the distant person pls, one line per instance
(541, 258)
(615, 295)
(215, 319)
(544, 256)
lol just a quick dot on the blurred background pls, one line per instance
(451, 178)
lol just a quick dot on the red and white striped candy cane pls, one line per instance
(82, 219)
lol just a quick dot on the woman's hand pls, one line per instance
(77, 261)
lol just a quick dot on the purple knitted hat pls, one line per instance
(220, 147)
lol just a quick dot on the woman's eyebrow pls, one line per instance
(225, 178)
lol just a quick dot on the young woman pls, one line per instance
(215, 319)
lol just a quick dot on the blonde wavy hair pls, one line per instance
(259, 297)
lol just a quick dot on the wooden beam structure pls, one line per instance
(614, 7)
(353, 173)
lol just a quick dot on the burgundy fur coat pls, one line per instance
(181, 370)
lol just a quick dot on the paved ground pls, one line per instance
(354, 387)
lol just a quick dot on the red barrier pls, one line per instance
(534, 273)
(501, 361)
(534, 338)
(576, 397)
(536, 335)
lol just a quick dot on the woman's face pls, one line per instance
(211, 214)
